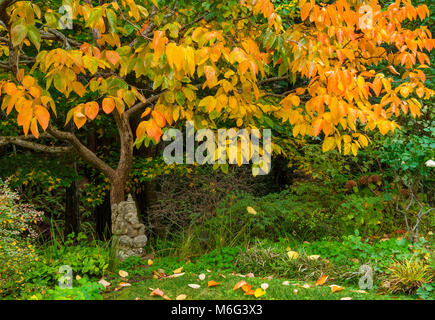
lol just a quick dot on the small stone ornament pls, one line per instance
(126, 227)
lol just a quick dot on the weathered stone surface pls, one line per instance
(131, 233)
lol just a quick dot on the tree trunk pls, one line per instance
(120, 178)
(72, 207)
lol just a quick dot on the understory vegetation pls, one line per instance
(346, 211)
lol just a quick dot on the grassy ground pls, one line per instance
(276, 290)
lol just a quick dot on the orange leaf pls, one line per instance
(79, 119)
(113, 57)
(246, 287)
(159, 118)
(10, 88)
(146, 112)
(305, 11)
(79, 88)
(335, 288)
(393, 70)
(240, 284)
(250, 292)
(318, 125)
(43, 116)
(154, 131)
(321, 281)
(91, 110)
(108, 105)
(160, 293)
(213, 283)
(34, 128)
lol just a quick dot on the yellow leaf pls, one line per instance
(181, 297)
(178, 270)
(313, 257)
(150, 262)
(259, 292)
(293, 255)
(328, 144)
(123, 274)
(363, 140)
(251, 210)
(354, 149)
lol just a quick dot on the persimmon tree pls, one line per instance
(210, 61)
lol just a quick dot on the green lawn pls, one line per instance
(276, 290)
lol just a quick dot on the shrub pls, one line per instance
(17, 232)
(369, 214)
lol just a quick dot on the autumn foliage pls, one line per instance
(359, 63)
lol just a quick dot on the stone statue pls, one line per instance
(126, 227)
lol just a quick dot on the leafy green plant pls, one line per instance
(426, 291)
(82, 290)
(366, 213)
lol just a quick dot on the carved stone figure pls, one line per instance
(126, 227)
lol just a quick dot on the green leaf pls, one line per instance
(34, 36)
(112, 18)
(18, 32)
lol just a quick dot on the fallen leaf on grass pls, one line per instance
(295, 291)
(178, 270)
(150, 262)
(250, 292)
(201, 276)
(250, 275)
(159, 274)
(306, 286)
(264, 286)
(176, 275)
(246, 287)
(194, 285)
(181, 297)
(104, 283)
(321, 281)
(259, 292)
(335, 288)
(78, 277)
(360, 291)
(251, 210)
(346, 298)
(239, 284)
(286, 283)
(313, 257)
(137, 298)
(123, 274)
(124, 284)
(293, 255)
(160, 293)
(213, 283)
